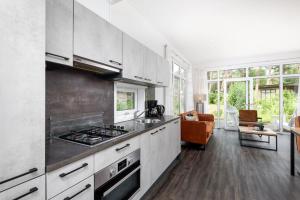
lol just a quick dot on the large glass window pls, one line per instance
(176, 95)
(213, 75)
(264, 71)
(263, 92)
(179, 88)
(213, 98)
(266, 100)
(291, 69)
(290, 96)
(233, 73)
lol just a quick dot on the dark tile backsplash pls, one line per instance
(71, 92)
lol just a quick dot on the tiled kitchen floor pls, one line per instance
(227, 171)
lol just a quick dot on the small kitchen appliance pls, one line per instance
(154, 110)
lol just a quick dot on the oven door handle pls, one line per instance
(120, 182)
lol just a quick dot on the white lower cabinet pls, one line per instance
(175, 138)
(159, 147)
(30, 190)
(116, 152)
(69, 175)
(83, 190)
(146, 161)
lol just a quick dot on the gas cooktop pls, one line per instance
(94, 135)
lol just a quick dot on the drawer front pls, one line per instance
(114, 153)
(65, 177)
(30, 190)
(84, 190)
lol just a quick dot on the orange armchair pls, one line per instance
(199, 131)
(248, 118)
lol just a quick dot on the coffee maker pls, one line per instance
(153, 110)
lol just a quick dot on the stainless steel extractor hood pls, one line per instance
(89, 65)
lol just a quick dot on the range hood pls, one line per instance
(89, 65)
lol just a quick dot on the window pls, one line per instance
(233, 73)
(125, 100)
(267, 87)
(291, 69)
(213, 75)
(179, 85)
(264, 71)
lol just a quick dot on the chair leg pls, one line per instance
(203, 147)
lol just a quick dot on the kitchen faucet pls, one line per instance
(135, 114)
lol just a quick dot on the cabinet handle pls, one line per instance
(74, 170)
(176, 122)
(147, 79)
(154, 132)
(24, 174)
(162, 128)
(159, 82)
(119, 149)
(86, 187)
(138, 77)
(57, 56)
(115, 62)
(32, 190)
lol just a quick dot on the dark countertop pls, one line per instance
(61, 152)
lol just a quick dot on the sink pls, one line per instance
(148, 121)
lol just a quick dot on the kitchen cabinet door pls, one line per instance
(150, 66)
(22, 91)
(59, 31)
(146, 161)
(177, 133)
(175, 139)
(83, 190)
(96, 39)
(163, 72)
(30, 190)
(133, 59)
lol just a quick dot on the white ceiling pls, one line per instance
(214, 30)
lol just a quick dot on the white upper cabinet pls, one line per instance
(96, 39)
(150, 66)
(163, 72)
(22, 91)
(59, 31)
(140, 63)
(133, 59)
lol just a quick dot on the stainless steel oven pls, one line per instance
(120, 180)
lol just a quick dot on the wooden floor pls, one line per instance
(227, 171)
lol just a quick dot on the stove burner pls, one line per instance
(94, 135)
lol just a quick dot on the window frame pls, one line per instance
(182, 78)
(125, 114)
(248, 66)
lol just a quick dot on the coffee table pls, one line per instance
(244, 130)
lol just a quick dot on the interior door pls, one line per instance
(237, 96)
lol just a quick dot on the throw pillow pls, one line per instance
(195, 114)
